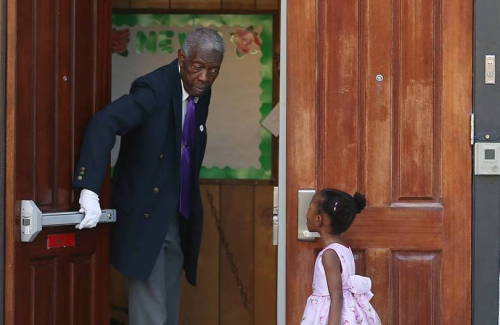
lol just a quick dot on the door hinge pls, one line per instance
(472, 129)
(275, 216)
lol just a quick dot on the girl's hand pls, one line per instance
(333, 272)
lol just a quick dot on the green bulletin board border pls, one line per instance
(265, 21)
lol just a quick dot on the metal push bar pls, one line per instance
(32, 219)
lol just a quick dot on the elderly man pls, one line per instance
(155, 183)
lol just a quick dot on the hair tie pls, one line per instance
(335, 205)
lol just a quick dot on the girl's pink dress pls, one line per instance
(356, 309)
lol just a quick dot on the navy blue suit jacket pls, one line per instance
(145, 188)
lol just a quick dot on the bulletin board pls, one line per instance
(238, 146)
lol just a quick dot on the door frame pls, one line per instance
(3, 28)
(486, 189)
(281, 276)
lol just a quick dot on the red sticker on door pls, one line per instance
(60, 240)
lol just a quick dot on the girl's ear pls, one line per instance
(318, 220)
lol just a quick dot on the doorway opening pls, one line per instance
(237, 271)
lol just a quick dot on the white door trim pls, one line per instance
(281, 276)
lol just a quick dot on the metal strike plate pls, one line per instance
(32, 219)
(489, 69)
(304, 198)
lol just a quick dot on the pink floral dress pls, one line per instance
(356, 309)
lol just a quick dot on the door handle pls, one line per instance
(32, 219)
(304, 198)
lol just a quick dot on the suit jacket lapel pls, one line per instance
(201, 113)
(177, 105)
(200, 106)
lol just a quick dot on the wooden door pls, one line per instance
(57, 77)
(379, 95)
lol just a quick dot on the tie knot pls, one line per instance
(191, 99)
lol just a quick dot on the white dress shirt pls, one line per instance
(185, 96)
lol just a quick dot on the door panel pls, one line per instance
(383, 108)
(58, 76)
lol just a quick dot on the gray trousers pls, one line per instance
(156, 301)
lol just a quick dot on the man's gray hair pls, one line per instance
(203, 39)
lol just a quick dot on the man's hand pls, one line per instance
(89, 205)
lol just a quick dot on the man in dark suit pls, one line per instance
(155, 182)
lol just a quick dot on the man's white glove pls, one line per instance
(89, 205)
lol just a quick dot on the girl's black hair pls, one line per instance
(340, 207)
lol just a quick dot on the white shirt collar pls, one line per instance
(185, 94)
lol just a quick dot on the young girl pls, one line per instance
(339, 296)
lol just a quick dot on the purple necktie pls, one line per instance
(187, 144)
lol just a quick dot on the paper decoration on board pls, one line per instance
(272, 121)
